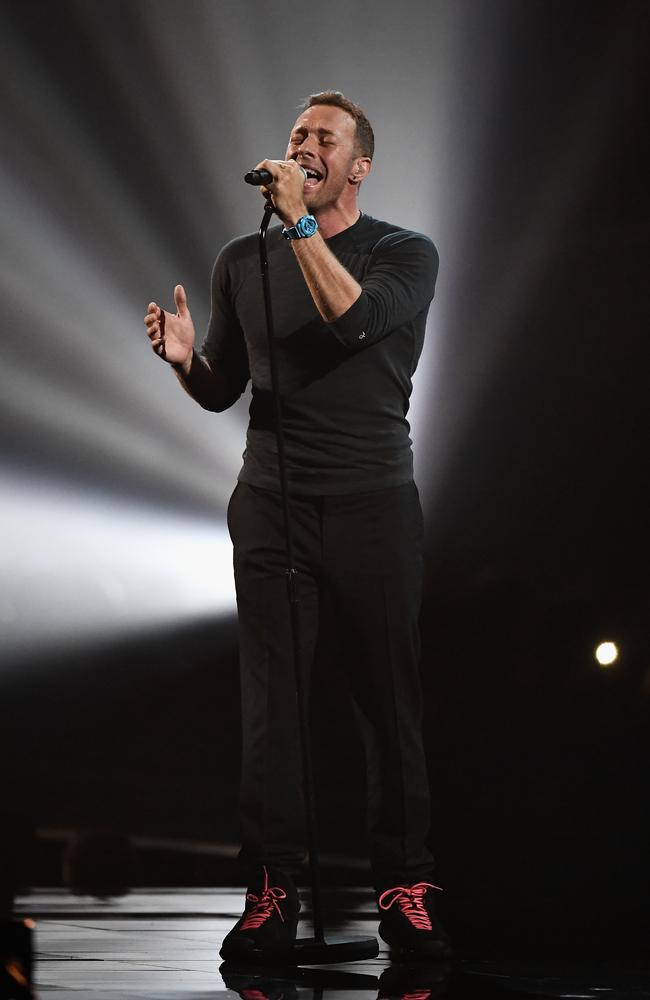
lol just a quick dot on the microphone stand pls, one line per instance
(316, 950)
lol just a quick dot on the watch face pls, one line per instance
(307, 226)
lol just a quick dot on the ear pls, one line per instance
(361, 167)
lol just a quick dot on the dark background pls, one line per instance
(511, 132)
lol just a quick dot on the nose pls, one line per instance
(306, 147)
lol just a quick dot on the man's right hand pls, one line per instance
(172, 336)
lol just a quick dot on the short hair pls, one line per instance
(365, 137)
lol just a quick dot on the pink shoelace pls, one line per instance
(264, 905)
(410, 900)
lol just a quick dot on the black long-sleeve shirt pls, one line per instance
(345, 386)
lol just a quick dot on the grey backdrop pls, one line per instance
(511, 132)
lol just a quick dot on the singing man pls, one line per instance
(350, 298)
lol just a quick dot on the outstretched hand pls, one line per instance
(172, 336)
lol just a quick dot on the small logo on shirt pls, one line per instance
(362, 335)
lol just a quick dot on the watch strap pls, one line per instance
(304, 228)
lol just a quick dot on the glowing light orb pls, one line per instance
(606, 653)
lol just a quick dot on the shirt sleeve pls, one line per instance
(224, 347)
(398, 285)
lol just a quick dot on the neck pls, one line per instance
(335, 219)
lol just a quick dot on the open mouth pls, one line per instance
(314, 177)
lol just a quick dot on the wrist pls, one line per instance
(290, 218)
(184, 367)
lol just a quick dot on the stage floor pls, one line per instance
(164, 944)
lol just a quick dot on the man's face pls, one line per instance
(323, 142)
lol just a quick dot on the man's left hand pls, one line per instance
(287, 190)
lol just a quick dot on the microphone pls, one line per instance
(258, 178)
(261, 178)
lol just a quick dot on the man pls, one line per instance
(350, 298)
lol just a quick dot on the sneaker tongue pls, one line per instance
(268, 878)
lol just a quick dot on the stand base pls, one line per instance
(309, 951)
(337, 948)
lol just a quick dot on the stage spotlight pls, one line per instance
(606, 653)
(83, 567)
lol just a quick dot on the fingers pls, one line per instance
(281, 168)
(180, 333)
(158, 347)
(154, 321)
(286, 192)
(180, 298)
(273, 166)
(152, 317)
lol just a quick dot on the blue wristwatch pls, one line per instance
(303, 228)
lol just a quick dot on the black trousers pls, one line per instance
(363, 555)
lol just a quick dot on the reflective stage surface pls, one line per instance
(163, 944)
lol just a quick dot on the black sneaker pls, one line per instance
(267, 927)
(409, 923)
